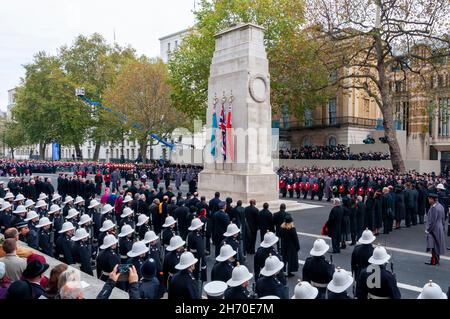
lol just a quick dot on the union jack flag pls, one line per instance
(223, 127)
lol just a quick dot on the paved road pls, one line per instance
(406, 246)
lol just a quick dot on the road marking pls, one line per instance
(406, 251)
(399, 284)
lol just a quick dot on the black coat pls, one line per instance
(260, 259)
(181, 215)
(360, 258)
(278, 219)
(318, 271)
(388, 206)
(334, 222)
(251, 216)
(238, 292)
(400, 205)
(270, 286)
(289, 248)
(82, 256)
(421, 201)
(106, 261)
(378, 213)
(388, 285)
(369, 213)
(183, 286)
(220, 222)
(45, 244)
(265, 221)
(222, 271)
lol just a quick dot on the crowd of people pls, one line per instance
(154, 242)
(338, 152)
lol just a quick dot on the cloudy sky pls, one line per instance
(29, 26)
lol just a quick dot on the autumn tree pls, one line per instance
(294, 73)
(368, 38)
(13, 136)
(141, 93)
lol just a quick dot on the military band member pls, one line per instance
(138, 255)
(238, 284)
(231, 237)
(107, 212)
(266, 248)
(142, 226)
(6, 216)
(45, 238)
(108, 228)
(126, 218)
(172, 258)
(215, 289)
(107, 258)
(337, 288)
(317, 270)
(195, 243)
(33, 236)
(169, 230)
(55, 216)
(68, 204)
(388, 284)
(82, 250)
(64, 247)
(125, 242)
(224, 266)
(268, 284)
(183, 284)
(362, 253)
(42, 208)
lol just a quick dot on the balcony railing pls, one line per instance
(331, 122)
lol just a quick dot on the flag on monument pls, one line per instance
(223, 127)
(230, 136)
(213, 135)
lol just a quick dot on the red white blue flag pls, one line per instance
(223, 127)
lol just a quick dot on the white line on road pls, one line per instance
(399, 284)
(406, 251)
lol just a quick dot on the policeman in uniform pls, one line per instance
(82, 250)
(169, 230)
(183, 284)
(317, 270)
(238, 284)
(64, 248)
(362, 253)
(195, 243)
(268, 284)
(45, 238)
(138, 255)
(107, 259)
(388, 284)
(125, 242)
(223, 269)
(172, 258)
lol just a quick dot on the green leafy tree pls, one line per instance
(93, 64)
(295, 73)
(13, 136)
(46, 107)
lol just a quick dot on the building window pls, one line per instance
(332, 77)
(399, 86)
(176, 44)
(308, 117)
(117, 153)
(128, 153)
(332, 111)
(132, 154)
(444, 104)
(332, 141)
(89, 153)
(367, 106)
(168, 47)
(307, 141)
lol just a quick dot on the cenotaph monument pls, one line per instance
(238, 156)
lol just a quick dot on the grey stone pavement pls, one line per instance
(406, 246)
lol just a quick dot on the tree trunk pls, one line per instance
(97, 151)
(78, 151)
(42, 147)
(143, 149)
(386, 109)
(12, 153)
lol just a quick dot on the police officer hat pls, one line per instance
(148, 269)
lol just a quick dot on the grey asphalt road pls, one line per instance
(406, 246)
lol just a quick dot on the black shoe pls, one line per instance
(430, 263)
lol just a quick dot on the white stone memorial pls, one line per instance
(239, 76)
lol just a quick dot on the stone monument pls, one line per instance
(239, 76)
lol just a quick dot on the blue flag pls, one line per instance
(213, 135)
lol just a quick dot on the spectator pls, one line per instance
(33, 274)
(289, 245)
(14, 264)
(22, 251)
(44, 279)
(5, 282)
(51, 290)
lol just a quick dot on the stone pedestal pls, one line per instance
(240, 70)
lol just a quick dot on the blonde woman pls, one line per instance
(289, 245)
